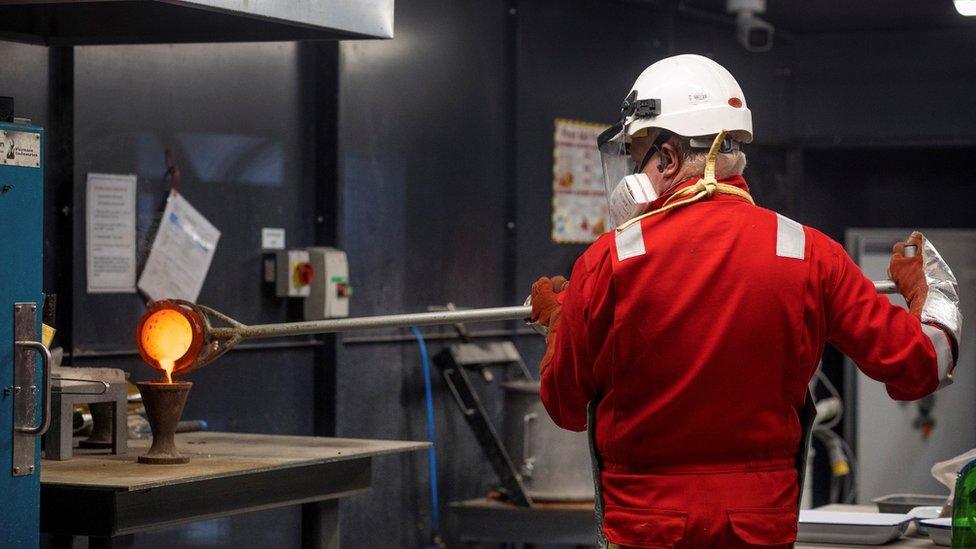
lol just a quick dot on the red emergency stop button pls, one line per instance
(304, 274)
(343, 289)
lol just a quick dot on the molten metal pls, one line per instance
(169, 337)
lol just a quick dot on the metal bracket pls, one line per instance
(25, 390)
(452, 364)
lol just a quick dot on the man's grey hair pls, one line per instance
(693, 160)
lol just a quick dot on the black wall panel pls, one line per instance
(422, 177)
(231, 115)
(886, 88)
(23, 76)
(911, 187)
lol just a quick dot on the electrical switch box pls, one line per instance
(330, 290)
(294, 273)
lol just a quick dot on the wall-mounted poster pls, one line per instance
(579, 203)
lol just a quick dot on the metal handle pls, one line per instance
(105, 386)
(885, 286)
(528, 460)
(46, 391)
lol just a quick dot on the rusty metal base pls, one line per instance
(163, 460)
(102, 426)
(164, 405)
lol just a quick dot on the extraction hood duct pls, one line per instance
(89, 22)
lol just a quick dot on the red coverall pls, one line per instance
(699, 345)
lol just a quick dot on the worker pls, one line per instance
(694, 328)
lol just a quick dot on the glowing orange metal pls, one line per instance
(169, 337)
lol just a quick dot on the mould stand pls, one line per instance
(85, 386)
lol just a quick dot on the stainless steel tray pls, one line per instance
(851, 528)
(903, 503)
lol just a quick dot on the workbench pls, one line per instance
(482, 521)
(107, 497)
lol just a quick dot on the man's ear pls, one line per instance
(670, 161)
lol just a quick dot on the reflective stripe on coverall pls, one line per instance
(697, 331)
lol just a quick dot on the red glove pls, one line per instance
(908, 275)
(545, 302)
(546, 309)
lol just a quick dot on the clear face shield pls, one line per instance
(614, 145)
(628, 192)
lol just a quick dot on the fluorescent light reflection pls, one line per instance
(966, 7)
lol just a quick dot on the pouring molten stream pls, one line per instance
(169, 337)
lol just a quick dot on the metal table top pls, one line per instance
(229, 473)
(212, 455)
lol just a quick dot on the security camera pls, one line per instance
(753, 33)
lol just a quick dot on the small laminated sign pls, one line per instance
(21, 149)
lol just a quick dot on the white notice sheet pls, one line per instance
(110, 233)
(181, 253)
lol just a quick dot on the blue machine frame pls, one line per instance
(21, 255)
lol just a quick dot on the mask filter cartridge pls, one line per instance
(630, 198)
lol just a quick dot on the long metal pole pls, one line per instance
(374, 322)
(885, 286)
(329, 326)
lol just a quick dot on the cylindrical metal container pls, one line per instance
(554, 462)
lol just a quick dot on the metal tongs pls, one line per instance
(221, 333)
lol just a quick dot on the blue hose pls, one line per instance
(435, 513)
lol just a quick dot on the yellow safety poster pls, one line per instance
(579, 203)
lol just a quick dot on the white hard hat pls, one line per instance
(688, 95)
(695, 97)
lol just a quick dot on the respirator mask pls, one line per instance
(631, 197)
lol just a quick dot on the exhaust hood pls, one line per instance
(89, 22)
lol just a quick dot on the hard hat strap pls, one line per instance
(709, 178)
(704, 188)
(660, 140)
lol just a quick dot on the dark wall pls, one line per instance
(422, 174)
(909, 187)
(885, 88)
(23, 76)
(231, 115)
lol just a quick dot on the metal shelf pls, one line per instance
(90, 22)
